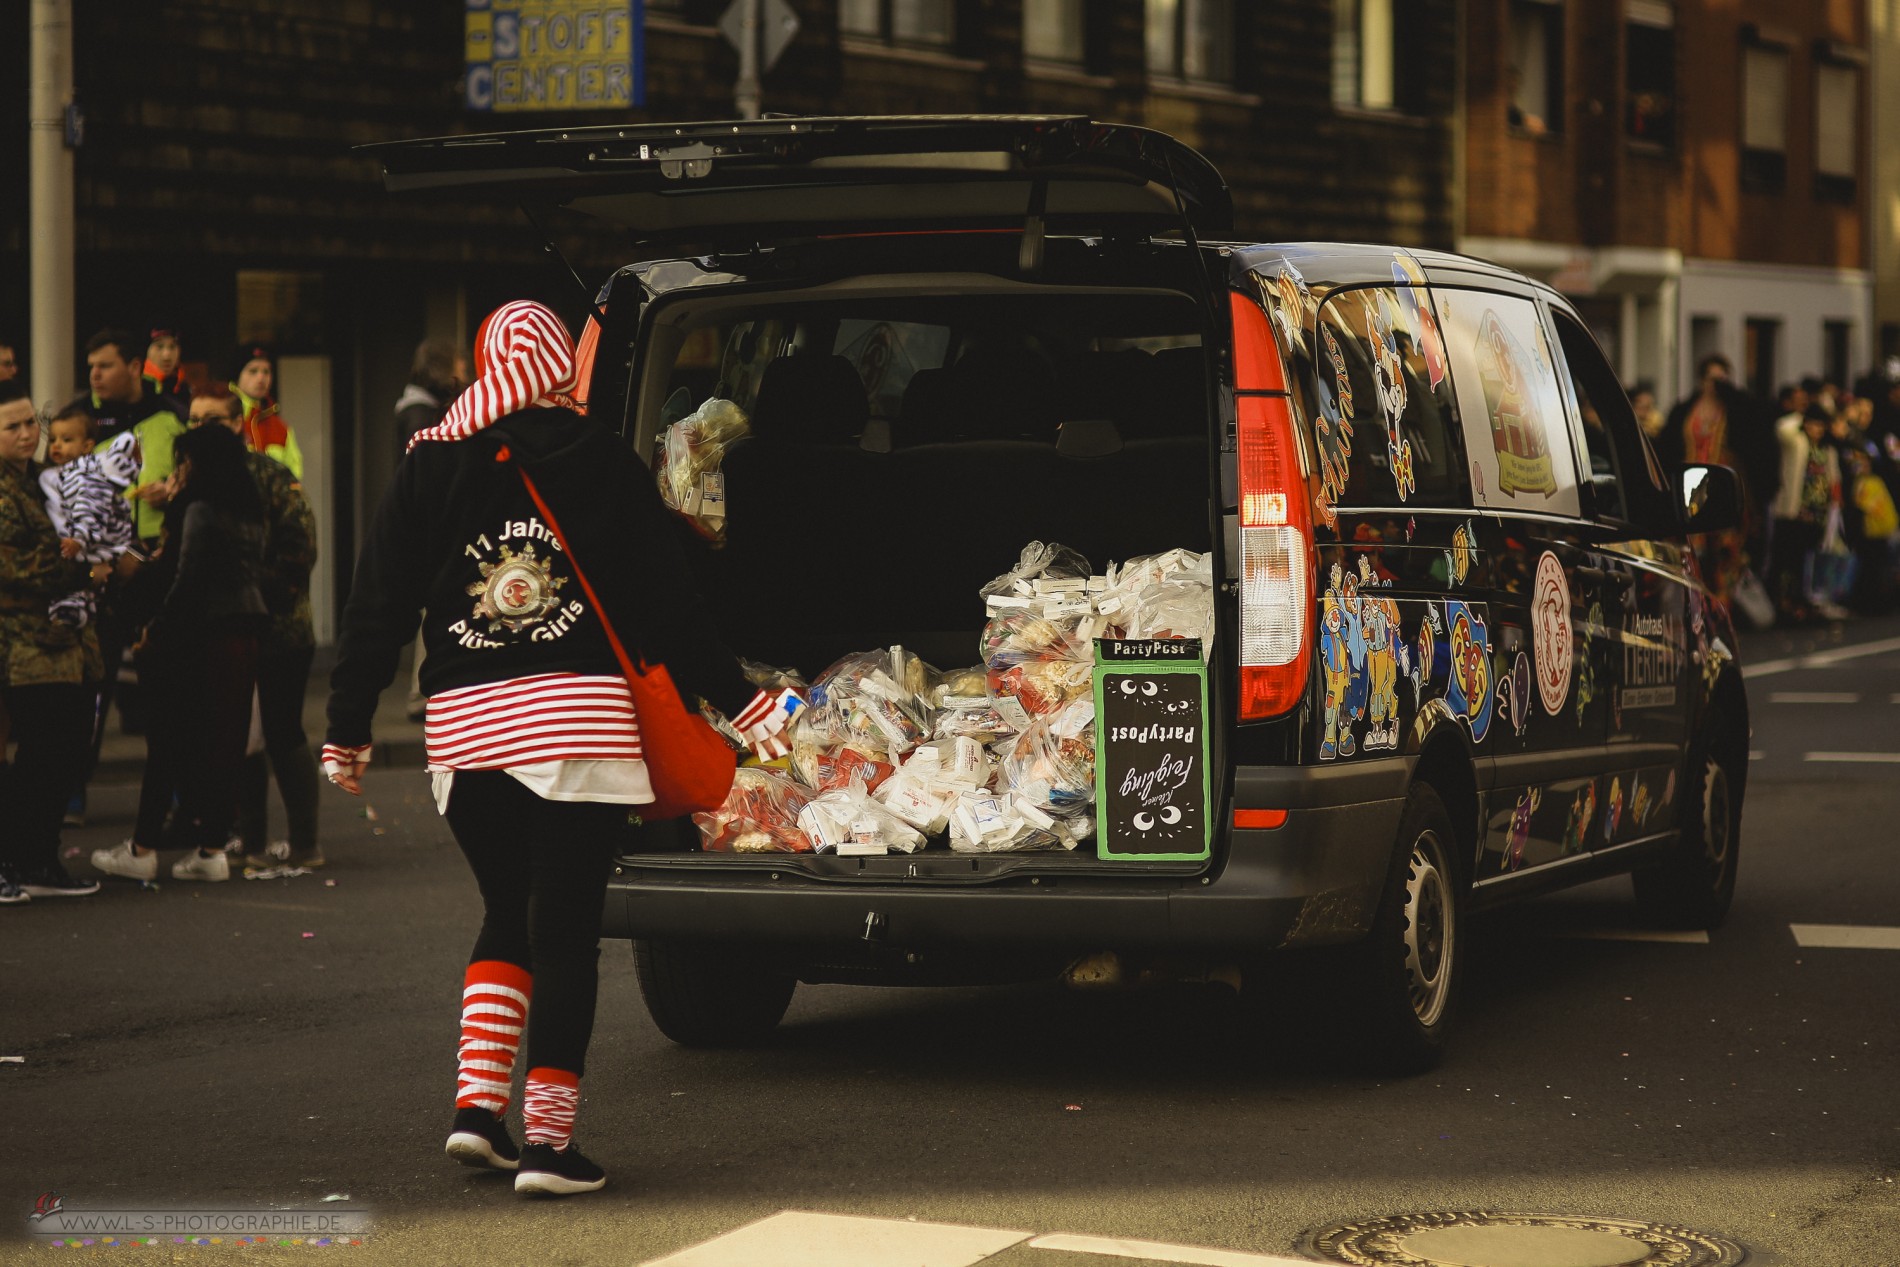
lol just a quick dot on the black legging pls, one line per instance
(282, 679)
(199, 693)
(51, 723)
(542, 868)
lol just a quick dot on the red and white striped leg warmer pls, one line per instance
(494, 1014)
(548, 1102)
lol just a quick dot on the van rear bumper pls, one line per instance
(1312, 881)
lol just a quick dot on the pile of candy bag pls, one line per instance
(889, 753)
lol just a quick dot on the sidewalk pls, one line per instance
(398, 740)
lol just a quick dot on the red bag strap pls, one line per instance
(628, 665)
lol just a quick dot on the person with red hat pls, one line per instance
(265, 430)
(534, 745)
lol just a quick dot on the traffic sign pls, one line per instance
(777, 25)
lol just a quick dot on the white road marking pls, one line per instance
(1822, 659)
(1813, 697)
(800, 1238)
(1846, 936)
(1157, 1251)
(1680, 936)
(1856, 758)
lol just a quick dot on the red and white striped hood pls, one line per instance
(524, 359)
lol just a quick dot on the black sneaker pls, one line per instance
(479, 1138)
(557, 1172)
(52, 881)
(12, 894)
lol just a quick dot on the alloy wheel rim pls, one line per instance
(1429, 931)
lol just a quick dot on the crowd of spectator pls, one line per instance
(153, 528)
(1820, 470)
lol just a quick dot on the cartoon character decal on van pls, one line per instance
(1583, 813)
(1517, 422)
(1429, 630)
(1585, 688)
(1458, 557)
(1380, 617)
(1388, 371)
(1332, 430)
(1469, 690)
(1289, 299)
(1520, 834)
(1336, 666)
(1613, 810)
(1514, 692)
(1550, 632)
(1415, 300)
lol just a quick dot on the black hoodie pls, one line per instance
(458, 544)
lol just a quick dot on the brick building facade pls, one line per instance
(1694, 172)
(217, 192)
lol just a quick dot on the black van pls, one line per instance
(1462, 650)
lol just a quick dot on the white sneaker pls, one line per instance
(121, 861)
(195, 866)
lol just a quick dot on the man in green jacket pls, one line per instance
(120, 402)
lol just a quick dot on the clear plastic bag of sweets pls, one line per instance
(848, 822)
(760, 816)
(690, 479)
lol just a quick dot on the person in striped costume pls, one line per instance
(533, 745)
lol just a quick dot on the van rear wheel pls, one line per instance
(1401, 982)
(710, 995)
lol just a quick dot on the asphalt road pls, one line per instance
(269, 1043)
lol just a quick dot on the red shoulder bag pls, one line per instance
(688, 764)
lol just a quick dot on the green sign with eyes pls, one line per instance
(1152, 789)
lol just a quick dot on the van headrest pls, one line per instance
(1089, 438)
(810, 399)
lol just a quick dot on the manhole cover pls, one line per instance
(1482, 1238)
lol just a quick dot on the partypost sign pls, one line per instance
(526, 55)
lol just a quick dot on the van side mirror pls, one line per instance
(1711, 499)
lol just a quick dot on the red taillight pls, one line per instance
(1276, 530)
(1260, 819)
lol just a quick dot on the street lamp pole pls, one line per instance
(50, 180)
(746, 94)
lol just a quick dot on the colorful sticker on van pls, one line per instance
(1290, 298)
(1517, 423)
(1514, 695)
(1520, 833)
(1416, 302)
(1458, 557)
(1340, 646)
(1469, 691)
(1550, 632)
(1332, 430)
(1583, 813)
(1613, 810)
(1388, 373)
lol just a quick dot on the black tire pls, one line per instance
(1693, 886)
(710, 995)
(1401, 982)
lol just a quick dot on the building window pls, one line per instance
(1054, 31)
(1537, 66)
(1837, 341)
(1191, 40)
(1363, 54)
(929, 22)
(1649, 71)
(1836, 131)
(1760, 338)
(1764, 118)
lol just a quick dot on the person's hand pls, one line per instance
(101, 573)
(69, 548)
(127, 566)
(156, 493)
(346, 765)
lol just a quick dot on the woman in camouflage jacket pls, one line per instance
(46, 671)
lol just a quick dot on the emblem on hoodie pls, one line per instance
(516, 590)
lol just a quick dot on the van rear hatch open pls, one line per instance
(766, 179)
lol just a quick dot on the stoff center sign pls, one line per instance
(527, 55)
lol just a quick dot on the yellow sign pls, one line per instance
(555, 55)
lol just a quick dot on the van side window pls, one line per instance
(1517, 435)
(1625, 476)
(1382, 426)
